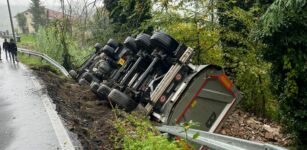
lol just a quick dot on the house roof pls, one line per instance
(52, 14)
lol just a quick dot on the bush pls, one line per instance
(48, 42)
(200, 35)
(134, 131)
(27, 41)
(284, 29)
(243, 60)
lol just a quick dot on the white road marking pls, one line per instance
(57, 124)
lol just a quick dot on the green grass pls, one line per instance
(27, 41)
(37, 63)
(134, 131)
(49, 45)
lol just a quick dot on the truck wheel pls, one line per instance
(108, 50)
(112, 43)
(122, 100)
(98, 46)
(143, 41)
(73, 74)
(164, 41)
(130, 44)
(82, 81)
(103, 91)
(94, 86)
(104, 67)
(87, 76)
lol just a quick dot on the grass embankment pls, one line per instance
(37, 63)
(135, 131)
(119, 130)
(27, 41)
(50, 45)
(96, 124)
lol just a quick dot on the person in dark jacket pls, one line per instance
(5, 48)
(13, 50)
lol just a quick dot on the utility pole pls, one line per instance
(11, 19)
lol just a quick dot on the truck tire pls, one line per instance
(122, 100)
(164, 41)
(130, 44)
(143, 41)
(73, 74)
(112, 43)
(103, 91)
(87, 76)
(94, 86)
(108, 50)
(98, 46)
(82, 81)
(104, 67)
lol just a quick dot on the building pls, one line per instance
(52, 14)
(28, 25)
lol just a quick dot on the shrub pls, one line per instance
(134, 131)
(48, 42)
(284, 29)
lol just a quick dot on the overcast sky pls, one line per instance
(27, 2)
(18, 6)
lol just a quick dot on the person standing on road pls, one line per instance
(5, 48)
(13, 50)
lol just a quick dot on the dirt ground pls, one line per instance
(89, 117)
(84, 114)
(247, 126)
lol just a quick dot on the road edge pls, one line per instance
(57, 124)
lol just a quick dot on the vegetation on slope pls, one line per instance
(261, 44)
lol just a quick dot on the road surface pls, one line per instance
(28, 120)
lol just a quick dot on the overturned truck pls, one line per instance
(155, 74)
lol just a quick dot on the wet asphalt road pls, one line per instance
(24, 122)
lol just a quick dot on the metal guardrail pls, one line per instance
(217, 141)
(46, 57)
(10, 36)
